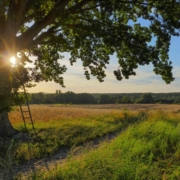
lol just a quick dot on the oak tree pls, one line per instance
(89, 30)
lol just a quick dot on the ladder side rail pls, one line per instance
(23, 118)
(30, 115)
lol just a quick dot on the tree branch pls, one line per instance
(28, 36)
(15, 14)
(39, 40)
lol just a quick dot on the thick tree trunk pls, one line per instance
(6, 129)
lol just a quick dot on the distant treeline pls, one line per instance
(113, 98)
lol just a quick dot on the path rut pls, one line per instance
(23, 171)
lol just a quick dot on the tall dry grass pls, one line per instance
(46, 113)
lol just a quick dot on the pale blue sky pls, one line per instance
(144, 81)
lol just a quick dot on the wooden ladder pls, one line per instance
(25, 111)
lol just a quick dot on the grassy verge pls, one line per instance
(149, 149)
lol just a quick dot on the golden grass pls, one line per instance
(46, 113)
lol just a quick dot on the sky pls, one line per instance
(144, 81)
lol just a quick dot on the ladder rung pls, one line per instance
(25, 111)
(26, 117)
(23, 105)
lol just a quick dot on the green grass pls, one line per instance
(53, 135)
(149, 149)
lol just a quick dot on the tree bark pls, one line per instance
(6, 129)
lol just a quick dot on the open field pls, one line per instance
(149, 149)
(143, 136)
(60, 126)
(46, 113)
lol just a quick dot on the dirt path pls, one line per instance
(47, 164)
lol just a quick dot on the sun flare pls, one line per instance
(13, 60)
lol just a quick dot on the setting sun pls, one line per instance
(13, 60)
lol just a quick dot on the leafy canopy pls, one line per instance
(89, 30)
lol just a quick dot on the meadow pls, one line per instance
(145, 143)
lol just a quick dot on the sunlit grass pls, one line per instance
(149, 140)
(149, 149)
(66, 127)
(41, 113)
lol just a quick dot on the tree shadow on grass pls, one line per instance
(56, 144)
